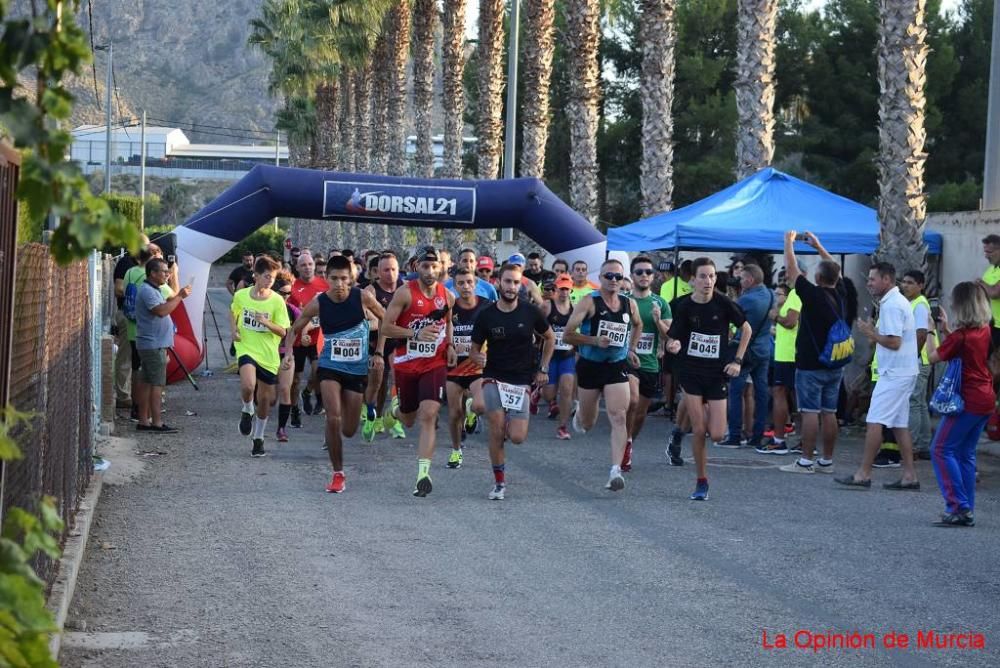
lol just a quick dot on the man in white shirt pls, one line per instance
(895, 339)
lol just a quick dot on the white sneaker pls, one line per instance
(796, 467)
(577, 427)
(496, 494)
(824, 468)
(616, 483)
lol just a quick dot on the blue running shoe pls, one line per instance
(700, 492)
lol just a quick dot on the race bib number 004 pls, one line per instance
(704, 345)
(511, 396)
(346, 350)
(617, 332)
(645, 346)
(251, 323)
(415, 348)
(463, 345)
(560, 344)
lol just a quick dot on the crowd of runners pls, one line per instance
(730, 355)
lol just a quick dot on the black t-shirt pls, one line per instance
(536, 277)
(510, 355)
(703, 330)
(241, 273)
(821, 307)
(124, 263)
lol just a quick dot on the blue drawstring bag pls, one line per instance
(947, 397)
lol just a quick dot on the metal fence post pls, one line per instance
(95, 273)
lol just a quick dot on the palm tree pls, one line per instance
(400, 21)
(491, 84)
(755, 85)
(902, 61)
(425, 23)
(657, 38)
(538, 48)
(363, 116)
(452, 87)
(381, 81)
(583, 39)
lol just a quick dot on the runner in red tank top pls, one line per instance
(419, 316)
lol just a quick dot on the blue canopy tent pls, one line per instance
(754, 213)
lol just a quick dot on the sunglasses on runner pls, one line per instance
(609, 276)
(642, 272)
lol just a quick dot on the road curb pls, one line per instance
(61, 594)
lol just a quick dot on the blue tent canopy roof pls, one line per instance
(754, 213)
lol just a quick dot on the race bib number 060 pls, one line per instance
(704, 345)
(417, 348)
(511, 396)
(346, 350)
(616, 332)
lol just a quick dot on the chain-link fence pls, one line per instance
(51, 377)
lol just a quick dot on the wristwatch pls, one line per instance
(738, 360)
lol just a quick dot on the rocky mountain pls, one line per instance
(183, 61)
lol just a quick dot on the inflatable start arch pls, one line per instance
(268, 192)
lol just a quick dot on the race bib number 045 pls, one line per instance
(617, 332)
(346, 350)
(704, 345)
(417, 348)
(511, 396)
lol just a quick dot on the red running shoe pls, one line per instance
(553, 410)
(627, 459)
(769, 433)
(338, 484)
(562, 434)
(533, 406)
(282, 435)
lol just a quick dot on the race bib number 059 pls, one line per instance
(511, 396)
(346, 350)
(617, 332)
(704, 345)
(645, 346)
(417, 348)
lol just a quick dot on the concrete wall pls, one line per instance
(963, 233)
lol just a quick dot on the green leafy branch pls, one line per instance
(51, 45)
(25, 622)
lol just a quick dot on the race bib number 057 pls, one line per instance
(704, 345)
(417, 348)
(617, 332)
(346, 350)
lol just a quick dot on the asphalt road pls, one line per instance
(211, 558)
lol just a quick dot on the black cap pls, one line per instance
(427, 254)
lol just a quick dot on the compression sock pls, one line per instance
(423, 468)
(371, 410)
(702, 481)
(498, 471)
(248, 406)
(284, 410)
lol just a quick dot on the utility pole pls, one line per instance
(108, 85)
(142, 174)
(991, 172)
(277, 163)
(510, 131)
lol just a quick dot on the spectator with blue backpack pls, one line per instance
(823, 347)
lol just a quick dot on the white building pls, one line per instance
(169, 153)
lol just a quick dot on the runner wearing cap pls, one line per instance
(562, 368)
(484, 269)
(605, 327)
(467, 260)
(419, 317)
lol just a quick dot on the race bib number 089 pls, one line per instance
(645, 346)
(617, 332)
(704, 345)
(346, 350)
(417, 348)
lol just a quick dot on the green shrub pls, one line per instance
(264, 240)
(28, 230)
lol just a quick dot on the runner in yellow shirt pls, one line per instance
(786, 328)
(259, 320)
(991, 281)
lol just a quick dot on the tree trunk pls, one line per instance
(537, 74)
(658, 38)
(755, 85)
(399, 55)
(425, 23)
(381, 81)
(452, 86)
(326, 126)
(583, 38)
(347, 100)
(363, 117)
(491, 87)
(902, 60)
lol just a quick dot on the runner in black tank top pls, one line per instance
(562, 369)
(378, 382)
